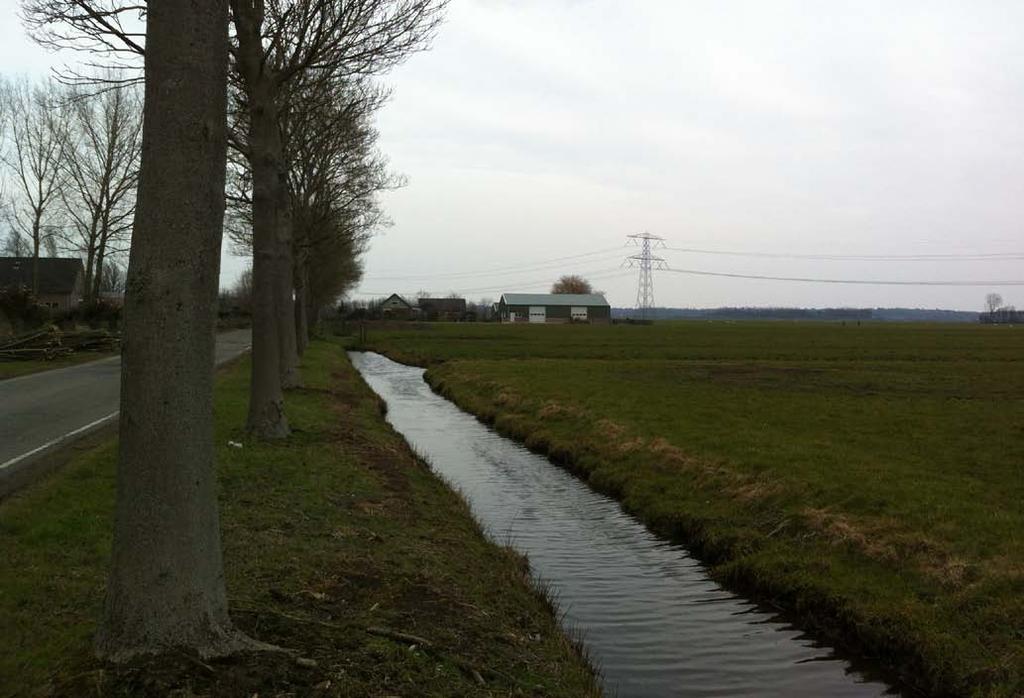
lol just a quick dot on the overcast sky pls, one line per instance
(544, 129)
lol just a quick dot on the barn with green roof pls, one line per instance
(554, 308)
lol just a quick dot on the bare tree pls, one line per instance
(993, 302)
(113, 278)
(483, 309)
(274, 42)
(166, 585)
(101, 165)
(572, 283)
(112, 32)
(277, 42)
(36, 136)
(241, 291)
(15, 245)
(4, 96)
(335, 174)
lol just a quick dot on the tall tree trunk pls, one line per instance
(101, 253)
(301, 301)
(35, 258)
(90, 256)
(166, 585)
(97, 280)
(289, 355)
(313, 313)
(266, 398)
(90, 291)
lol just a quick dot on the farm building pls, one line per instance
(61, 280)
(395, 306)
(443, 308)
(553, 307)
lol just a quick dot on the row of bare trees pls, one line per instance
(301, 100)
(287, 88)
(69, 170)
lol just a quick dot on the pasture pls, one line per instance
(868, 478)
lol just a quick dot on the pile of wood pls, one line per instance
(51, 343)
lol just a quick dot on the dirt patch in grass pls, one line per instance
(885, 540)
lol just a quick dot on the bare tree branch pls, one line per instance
(101, 164)
(32, 156)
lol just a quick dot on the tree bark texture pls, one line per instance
(284, 290)
(301, 302)
(266, 399)
(35, 259)
(97, 280)
(166, 584)
(90, 255)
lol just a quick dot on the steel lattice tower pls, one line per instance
(647, 262)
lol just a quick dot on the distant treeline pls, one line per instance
(817, 314)
(1003, 316)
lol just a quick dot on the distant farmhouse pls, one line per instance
(394, 306)
(554, 307)
(61, 280)
(442, 308)
(398, 308)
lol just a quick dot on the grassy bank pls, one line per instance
(338, 544)
(868, 478)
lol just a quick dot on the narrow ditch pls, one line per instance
(651, 619)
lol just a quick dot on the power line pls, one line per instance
(647, 262)
(469, 277)
(555, 261)
(502, 269)
(600, 274)
(977, 257)
(864, 282)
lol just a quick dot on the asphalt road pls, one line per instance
(42, 411)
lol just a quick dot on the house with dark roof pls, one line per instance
(553, 307)
(443, 308)
(394, 306)
(61, 279)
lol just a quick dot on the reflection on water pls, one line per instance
(652, 620)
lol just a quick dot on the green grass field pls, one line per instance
(333, 533)
(871, 478)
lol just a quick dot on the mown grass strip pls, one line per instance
(336, 533)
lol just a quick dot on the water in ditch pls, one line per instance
(654, 623)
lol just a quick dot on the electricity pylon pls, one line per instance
(647, 263)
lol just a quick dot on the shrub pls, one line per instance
(19, 305)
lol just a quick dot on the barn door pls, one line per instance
(538, 313)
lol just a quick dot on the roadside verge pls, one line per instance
(339, 543)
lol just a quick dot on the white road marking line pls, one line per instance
(53, 371)
(59, 439)
(90, 425)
